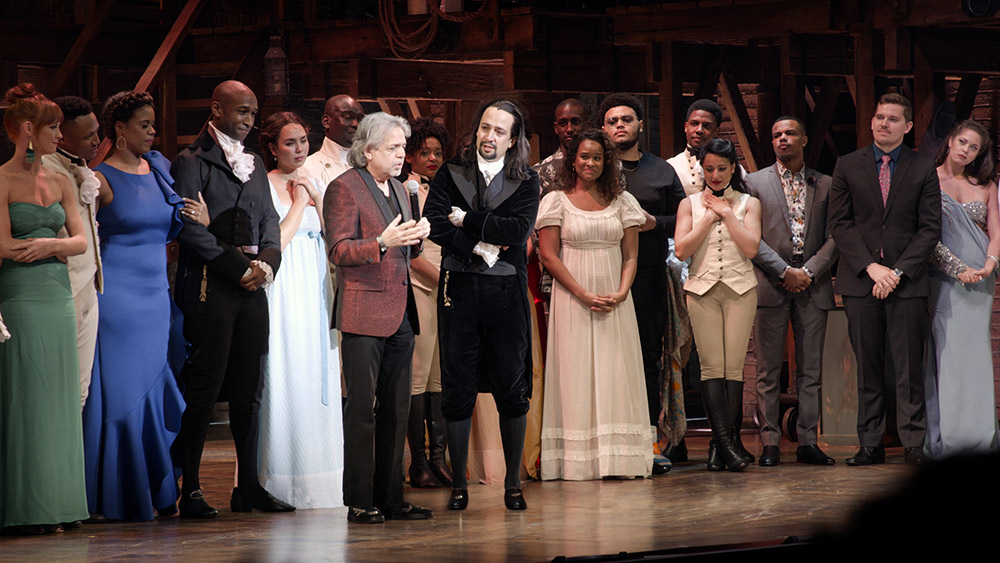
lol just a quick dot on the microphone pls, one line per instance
(412, 187)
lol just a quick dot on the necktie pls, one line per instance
(884, 178)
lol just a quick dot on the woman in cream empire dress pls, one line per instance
(594, 421)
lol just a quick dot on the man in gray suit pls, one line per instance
(793, 275)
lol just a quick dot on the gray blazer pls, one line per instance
(776, 237)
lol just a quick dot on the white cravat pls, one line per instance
(489, 170)
(241, 162)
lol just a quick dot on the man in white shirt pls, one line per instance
(79, 143)
(700, 126)
(341, 116)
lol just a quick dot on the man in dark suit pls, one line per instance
(371, 237)
(221, 271)
(482, 207)
(885, 217)
(792, 267)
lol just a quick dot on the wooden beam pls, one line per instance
(167, 111)
(792, 102)
(671, 102)
(965, 100)
(864, 67)
(813, 152)
(740, 118)
(170, 43)
(414, 109)
(925, 101)
(71, 63)
(718, 22)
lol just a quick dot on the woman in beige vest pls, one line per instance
(719, 228)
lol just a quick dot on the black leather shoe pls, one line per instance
(407, 511)
(714, 462)
(245, 501)
(459, 499)
(514, 499)
(364, 515)
(422, 478)
(193, 505)
(915, 456)
(677, 452)
(812, 455)
(867, 455)
(770, 457)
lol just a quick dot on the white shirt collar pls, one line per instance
(489, 170)
(335, 150)
(241, 162)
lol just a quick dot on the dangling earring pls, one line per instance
(29, 155)
(120, 143)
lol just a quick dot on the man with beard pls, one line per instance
(571, 117)
(341, 115)
(793, 282)
(482, 207)
(656, 186)
(79, 143)
(221, 272)
(370, 234)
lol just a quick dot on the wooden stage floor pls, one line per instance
(687, 507)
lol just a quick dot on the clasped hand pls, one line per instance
(600, 303)
(716, 205)
(796, 280)
(407, 233)
(33, 249)
(885, 280)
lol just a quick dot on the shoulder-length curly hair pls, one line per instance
(980, 171)
(609, 183)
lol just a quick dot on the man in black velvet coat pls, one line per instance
(221, 272)
(482, 208)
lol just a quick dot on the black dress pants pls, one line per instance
(649, 293)
(377, 373)
(228, 336)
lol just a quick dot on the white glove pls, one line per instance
(489, 252)
(457, 217)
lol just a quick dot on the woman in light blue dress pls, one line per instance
(301, 438)
(961, 410)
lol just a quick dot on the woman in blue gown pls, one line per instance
(134, 409)
(961, 408)
(41, 451)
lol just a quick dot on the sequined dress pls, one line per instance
(961, 414)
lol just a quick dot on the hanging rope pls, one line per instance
(414, 43)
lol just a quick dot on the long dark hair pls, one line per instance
(727, 150)
(516, 166)
(609, 183)
(980, 171)
(270, 130)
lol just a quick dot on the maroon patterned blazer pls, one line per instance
(372, 288)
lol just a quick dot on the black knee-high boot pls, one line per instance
(734, 395)
(717, 408)
(438, 438)
(420, 473)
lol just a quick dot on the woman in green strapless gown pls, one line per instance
(41, 441)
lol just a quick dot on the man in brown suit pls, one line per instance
(371, 237)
